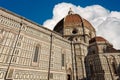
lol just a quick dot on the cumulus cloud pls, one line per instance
(106, 23)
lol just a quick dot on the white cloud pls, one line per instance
(106, 23)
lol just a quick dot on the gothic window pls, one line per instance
(63, 60)
(36, 54)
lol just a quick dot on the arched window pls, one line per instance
(36, 54)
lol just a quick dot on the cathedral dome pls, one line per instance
(72, 20)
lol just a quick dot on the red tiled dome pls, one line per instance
(88, 25)
(97, 39)
(75, 19)
(100, 39)
(72, 19)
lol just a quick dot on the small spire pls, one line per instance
(70, 11)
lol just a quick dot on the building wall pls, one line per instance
(18, 40)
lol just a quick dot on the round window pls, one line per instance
(75, 31)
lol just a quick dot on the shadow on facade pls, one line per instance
(118, 69)
(93, 71)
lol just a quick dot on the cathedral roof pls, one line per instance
(75, 19)
(88, 25)
(109, 47)
(97, 39)
(72, 20)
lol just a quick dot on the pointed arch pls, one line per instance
(37, 50)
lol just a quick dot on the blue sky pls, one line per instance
(104, 15)
(41, 10)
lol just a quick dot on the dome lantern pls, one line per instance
(70, 11)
